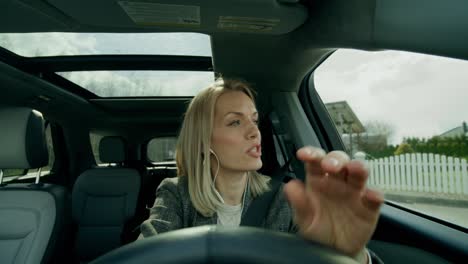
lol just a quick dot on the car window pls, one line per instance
(405, 115)
(95, 138)
(13, 174)
(160, 150)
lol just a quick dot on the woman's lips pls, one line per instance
(255, 151)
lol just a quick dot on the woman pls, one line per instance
(218, 154)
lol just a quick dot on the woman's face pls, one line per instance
(236, 138)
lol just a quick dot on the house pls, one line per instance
(456, 132)
(346, 122)
(352, 131)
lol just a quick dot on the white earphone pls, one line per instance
(214, 180)
(216, 175)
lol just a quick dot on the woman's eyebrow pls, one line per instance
(240, 113)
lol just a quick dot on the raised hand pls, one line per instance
(333, 206)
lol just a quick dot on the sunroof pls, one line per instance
(57, 43)
(141, 83)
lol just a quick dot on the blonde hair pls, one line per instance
(193, 148)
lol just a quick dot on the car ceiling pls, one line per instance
(273, 61)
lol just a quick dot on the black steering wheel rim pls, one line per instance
(215, 244)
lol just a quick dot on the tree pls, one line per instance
(404, 148)
(375, 140)
(450, 146)
(377, 127)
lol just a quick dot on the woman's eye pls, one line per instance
(234, 123)
(256, 122)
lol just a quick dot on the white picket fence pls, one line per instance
(420, 172)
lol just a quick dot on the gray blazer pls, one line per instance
(173, 210)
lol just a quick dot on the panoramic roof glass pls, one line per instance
(56, 43)
(141, 83)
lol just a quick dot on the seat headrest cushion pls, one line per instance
(22, 139)
(112, 150)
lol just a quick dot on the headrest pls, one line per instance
(112, 150)
(22, 139)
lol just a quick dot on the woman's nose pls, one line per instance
(253, 132)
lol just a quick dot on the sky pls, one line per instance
(417, 95)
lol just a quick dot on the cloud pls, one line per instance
(420, 95)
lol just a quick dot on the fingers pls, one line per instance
(309, 154)
(335, 165)
(318, 163)
(334, 162)
(311, 157)
(357, 174)
(296, 195)
(372, 199)
(332, 171)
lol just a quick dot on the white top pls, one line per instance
(229, 215)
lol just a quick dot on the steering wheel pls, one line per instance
(216, 244)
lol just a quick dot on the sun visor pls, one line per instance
(252, 16)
